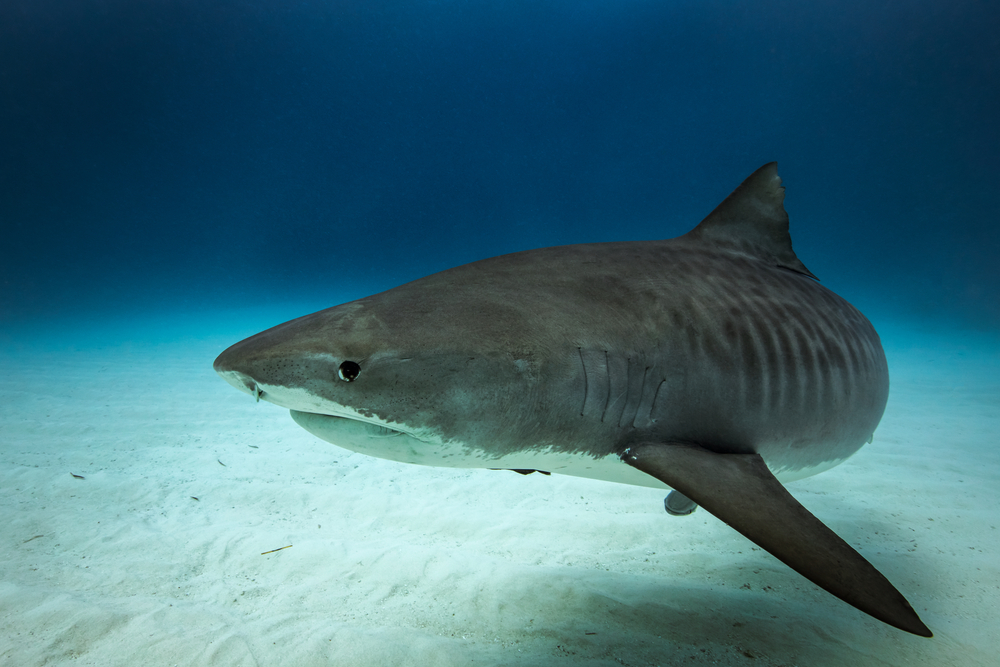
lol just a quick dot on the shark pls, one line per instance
(713, 364)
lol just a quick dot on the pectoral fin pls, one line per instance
(740, 490)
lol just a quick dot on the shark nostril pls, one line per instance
(251, 386)
(243, 382)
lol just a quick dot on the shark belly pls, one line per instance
(394, 445)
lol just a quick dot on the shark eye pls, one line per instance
(349, 371)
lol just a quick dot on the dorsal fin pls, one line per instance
(753, 219)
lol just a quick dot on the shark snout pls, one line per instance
(269, 369)
(241, 381)
(232, 367)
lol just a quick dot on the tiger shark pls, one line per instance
(713, 364)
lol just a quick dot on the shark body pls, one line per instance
(713, 363)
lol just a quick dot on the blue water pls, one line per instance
(201, 155)
(187, 171)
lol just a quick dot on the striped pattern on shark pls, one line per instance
(713, 363)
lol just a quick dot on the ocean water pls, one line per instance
(177, 175)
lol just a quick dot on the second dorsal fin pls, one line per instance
(753, 219)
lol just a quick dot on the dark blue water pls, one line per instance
(182, 156)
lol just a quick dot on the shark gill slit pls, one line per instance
(607, 374)
(628, 391)
(746, 353)
(585, 387)
(656, 397)
(638, 403)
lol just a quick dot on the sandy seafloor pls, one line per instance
(405, 565)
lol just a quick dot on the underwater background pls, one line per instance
(177, 174)
(193, 156)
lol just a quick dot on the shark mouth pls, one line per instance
(315, 415)
(373, 439)
(335, 423)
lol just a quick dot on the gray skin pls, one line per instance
(586, 349)
(591, 359)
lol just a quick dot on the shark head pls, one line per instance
(402, 375)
